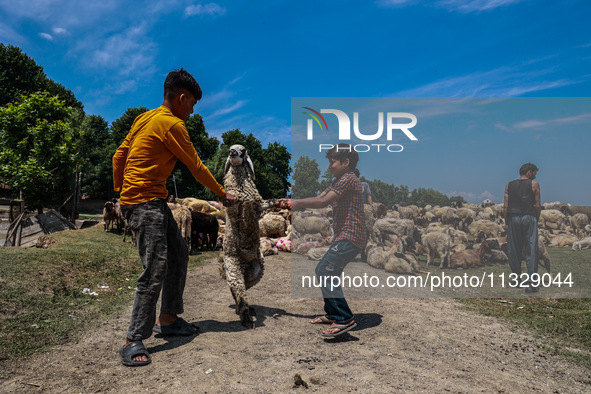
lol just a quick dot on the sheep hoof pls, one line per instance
(246, 321)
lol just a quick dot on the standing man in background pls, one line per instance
(522, 211)
(141, 166)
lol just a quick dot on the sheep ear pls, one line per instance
(250, 167)
(228, 165)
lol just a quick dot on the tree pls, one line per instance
(305, 178)
(326, 180)
(20, 75)
(121, 126)
(423, 197)
(95, 158)
(278, 169)
(38, 149)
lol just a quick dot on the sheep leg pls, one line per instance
(235, 279)
(444, 256)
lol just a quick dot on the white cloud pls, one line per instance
(464, 6)
(536, 124)
(207, 9)
(395, 3)
(130, 52)
(474, 198)
(60, 31)
(7, 34)
(500, 82)
(65, 13)
(46, 36)
(467, 6)
(227, 110)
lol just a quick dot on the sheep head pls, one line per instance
(239, 157)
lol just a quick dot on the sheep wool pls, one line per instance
(241, 263)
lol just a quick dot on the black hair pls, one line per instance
(178, 80)
(344, 151)
(527, 167)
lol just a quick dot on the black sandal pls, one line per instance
(132, 350)
(179, 327)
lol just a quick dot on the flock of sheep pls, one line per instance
(460, 237)
(397, 236)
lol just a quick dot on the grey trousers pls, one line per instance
(523, 230)
(164, 255)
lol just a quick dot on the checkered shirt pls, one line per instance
(348, 213)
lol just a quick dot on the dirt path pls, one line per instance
(401, 345)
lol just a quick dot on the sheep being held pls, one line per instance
(241, 262)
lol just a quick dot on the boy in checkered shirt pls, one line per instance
(345, 194)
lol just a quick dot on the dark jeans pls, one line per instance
(164, 255)
(332, 263)
(523, 230)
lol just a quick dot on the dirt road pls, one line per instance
(400, 345)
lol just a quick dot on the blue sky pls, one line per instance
(251, 59)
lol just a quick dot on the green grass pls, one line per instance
(41, 300)
(564, 324)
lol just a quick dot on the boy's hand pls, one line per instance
(284, 203)
(228, 200)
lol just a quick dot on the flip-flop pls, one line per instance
(132, 350)
(323, 320)
(179, 327)
(343, 328)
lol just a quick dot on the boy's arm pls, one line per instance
(537, 205)
(321, 201)
(119, 159)
(178, 142)
(506, 203)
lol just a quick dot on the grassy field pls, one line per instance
(41, 290)
(42, 304)
(564, 322)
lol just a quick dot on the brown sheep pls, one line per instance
(182, 217)
(473, 257)
(110, 215)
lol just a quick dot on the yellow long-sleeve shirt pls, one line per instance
(146, 158)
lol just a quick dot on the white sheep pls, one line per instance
(490, 229)
(578, 222)
(272, 226)
(405, 212)
(563, 240)
(197, 205)
(439, 243)
(398, 227)
(552, 218)
(311, 225)
(241, 262)
(585, 243)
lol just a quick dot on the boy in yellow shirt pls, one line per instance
(141, 165)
